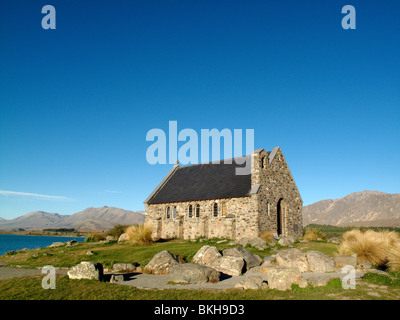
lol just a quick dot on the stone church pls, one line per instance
(211, 200)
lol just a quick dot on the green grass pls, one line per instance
(29, 288)
(334, 231)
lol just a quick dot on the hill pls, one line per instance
(366, 208)
(90, 218)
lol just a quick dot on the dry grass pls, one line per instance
(139, 234)
(314, 234)
(369, 245)
(394, 258)
(268, 236)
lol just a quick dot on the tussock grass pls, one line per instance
(314, 234)
(370, 246)
(394, 258)
(140, 234)
(268, 236)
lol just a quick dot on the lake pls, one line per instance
(10, 242)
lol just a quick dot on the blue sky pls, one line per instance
(76, 102)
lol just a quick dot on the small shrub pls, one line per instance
(140, 234)
(314, 234)
(116, 231)
(94, 237)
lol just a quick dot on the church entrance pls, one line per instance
(279, 217)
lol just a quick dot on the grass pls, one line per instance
(139, 234)
(29, 288)
(372, 246)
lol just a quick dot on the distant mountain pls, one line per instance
(91, 218)
(102, 218)
(364, 208)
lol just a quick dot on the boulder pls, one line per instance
(56, 244)
(206, 256)
(161, 263)
(193, 273)
(251, 260)
(242, 241)
(251, 282)
(334, 240)
(258, 243)
(282, 278)
(122, 238)
(210, 256)
(86, 270)
(319, 262)
(292, 258)
(269, 261)
(117, 278)
(89, 253)
(229, 265)
(124, 267)
(342, 260)
(319, 279)
(286, 241)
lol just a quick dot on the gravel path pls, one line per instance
(150, 281)
(7, 273)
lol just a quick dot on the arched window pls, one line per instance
(174, 212)
(215, 210)
(197, 210)
(224, 209)
(168, 213)
(190, 211)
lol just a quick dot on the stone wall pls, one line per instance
(277, 186)
(240, 219)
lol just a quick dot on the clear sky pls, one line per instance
(76, 102)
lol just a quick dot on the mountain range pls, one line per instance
(90, 218)
(365, 208)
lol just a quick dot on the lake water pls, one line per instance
(10, 242)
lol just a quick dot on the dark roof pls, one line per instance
(203, 181)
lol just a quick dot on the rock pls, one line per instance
(292, 258)
(269, 261)
(251, 282)
(320, 279)
(206, 256)
(286, 241)
(122, 238)
(319, 262)
(221, 241)
(282, 278)
(334, 240)
(56, 244)
(116, 278)
(210, 256)
(229, 265)
(242, 241)
(193, 273)
(364, 265)
(252, 260)
(124, 267)
(342, 260)
(161, 263)
(258, 243)
(86, 270)
(89, 253)
(110, 239)
(70, 243)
